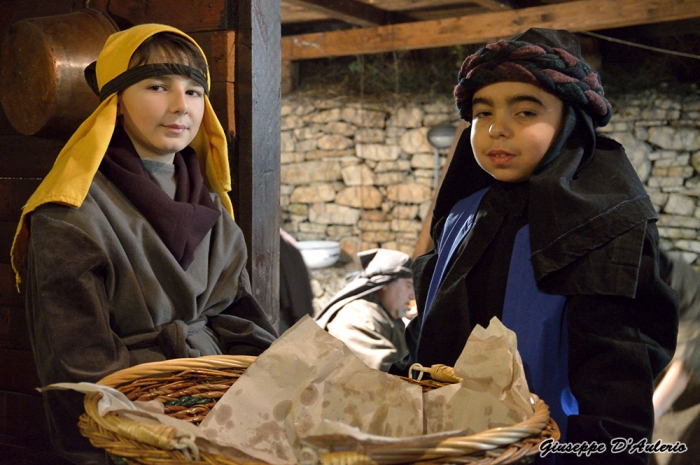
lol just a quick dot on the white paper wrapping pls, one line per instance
(309, 389)
(303, 378)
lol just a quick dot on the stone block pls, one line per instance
(420, 173)
(312, 228)
(369, 136)
(377, 152)
(358, 175)
(298, 209)
(683, 139)
(325, 116)
(309, 132)
(688, 245)
(291, 122)
(291, 157)
(341, 127)
(424, 160)
(405, 212)
(328, 213)
(286, 141)
(677, 233)
(306, 145)
(373, 215)
(364, 118)
(374, 225)
(365, 197)
(334, 142)
(664, 182)
(415, 141)
(338, 230)
(310, 172)
(313, 193)
(330, 154)
(679, 221)
(427, 182)
(408, 193)
(406, 225)
(407, 117)
(377, 236)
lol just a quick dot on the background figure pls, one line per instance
(296, 297)
(367, 313)
(677, 394)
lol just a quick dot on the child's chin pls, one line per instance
(509, 177)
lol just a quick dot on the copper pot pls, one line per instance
(42, 84)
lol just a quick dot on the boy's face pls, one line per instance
(162, 115)
(513, 126)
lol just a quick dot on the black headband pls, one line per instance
(139, 73)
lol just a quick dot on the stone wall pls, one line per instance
(661, 134)
(362, 173)
(359, 173)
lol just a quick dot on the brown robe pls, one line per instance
(104, 293)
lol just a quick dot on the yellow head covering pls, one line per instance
(69, 180)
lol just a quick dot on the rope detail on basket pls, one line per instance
(186, 444)
(438, 372)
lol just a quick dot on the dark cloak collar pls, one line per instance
(182, 222)
(583, 197)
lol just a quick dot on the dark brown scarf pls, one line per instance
(182, 222)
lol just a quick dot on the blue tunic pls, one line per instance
(538, 319)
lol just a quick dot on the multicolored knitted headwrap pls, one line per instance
(548, 58)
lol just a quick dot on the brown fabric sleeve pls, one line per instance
(68, 321)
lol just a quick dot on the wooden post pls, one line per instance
(255, 153)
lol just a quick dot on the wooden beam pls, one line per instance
(426, 15)
(187, 15)
(255, 155)
(577, 16)
(350, 11)
(493, 5)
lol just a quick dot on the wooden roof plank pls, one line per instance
(350, 11)
(493, 5)
(576, 16)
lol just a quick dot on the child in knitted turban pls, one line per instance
(128, 247)
(543, 223)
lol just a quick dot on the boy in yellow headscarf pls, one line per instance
(128, 247)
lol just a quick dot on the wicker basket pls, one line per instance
(189, 388)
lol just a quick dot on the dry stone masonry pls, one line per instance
(362, 173)
(661, 134)
(359, 173)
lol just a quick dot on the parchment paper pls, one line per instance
(494, 391)
(309, 389)
(307, 376)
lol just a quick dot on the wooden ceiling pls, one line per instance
(326, 28)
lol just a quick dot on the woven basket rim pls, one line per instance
(163, 437)
(177, 364)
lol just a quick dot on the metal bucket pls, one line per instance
(42, 83)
